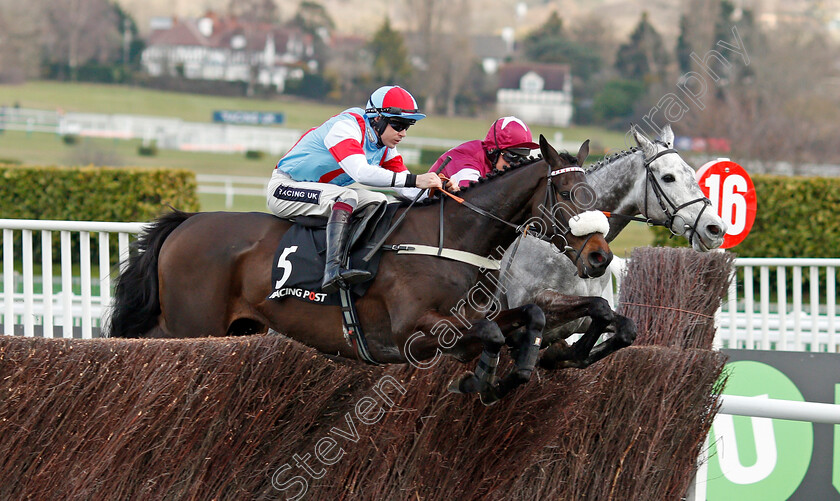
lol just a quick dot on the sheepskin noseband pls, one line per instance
(592, 221)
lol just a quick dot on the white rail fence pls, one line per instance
(72, 302)
(774, 317)
(771, 317)
(177, 134)
(232, 186)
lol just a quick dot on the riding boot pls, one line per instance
(338, 239)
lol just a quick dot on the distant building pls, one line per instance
(536, 93)
(218, 48)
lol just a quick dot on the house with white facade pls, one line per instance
(219, 48)
(536, 93)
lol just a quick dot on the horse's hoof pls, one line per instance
(457, 385)
(489, 396)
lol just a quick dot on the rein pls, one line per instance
(550, 200)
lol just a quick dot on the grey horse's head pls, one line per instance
(680, 200)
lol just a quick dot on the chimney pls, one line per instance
(205, 27)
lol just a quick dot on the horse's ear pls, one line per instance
(646, 144)
(583, 152)
(668, 135)
(548, 152)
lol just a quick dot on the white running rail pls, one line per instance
(59, 310)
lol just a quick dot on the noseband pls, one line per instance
(662, 197)
(550, 200)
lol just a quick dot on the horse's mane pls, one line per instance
(566, 156)
(611, 158)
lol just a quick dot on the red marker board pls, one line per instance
(732, 193)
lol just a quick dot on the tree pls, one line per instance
(683, 49)
(21, 28)
(80, 31)
(390, 57)
(550, 44)
(255, 11)
(314, 20)
(643, 57)
(133, 45)
(442, 70)
(617, 100)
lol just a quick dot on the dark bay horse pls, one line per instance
(208, 274)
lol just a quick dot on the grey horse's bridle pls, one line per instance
(671, 209)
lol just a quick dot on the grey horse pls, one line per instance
(651, 180)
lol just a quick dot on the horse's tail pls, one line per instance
(136, 305)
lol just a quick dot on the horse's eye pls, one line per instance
(566, 195)
(669, 178)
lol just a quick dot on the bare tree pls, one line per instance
(79, 31)
(264, 11)
(776, 114)
(20, 40)
(442, 47)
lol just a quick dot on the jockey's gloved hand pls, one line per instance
(428, 180)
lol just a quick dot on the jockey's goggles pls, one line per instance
(513, 154)
(400, 124)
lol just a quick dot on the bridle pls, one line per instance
(665, 203)
(549, 201)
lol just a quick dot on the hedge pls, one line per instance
(94, 193)
(795, 217)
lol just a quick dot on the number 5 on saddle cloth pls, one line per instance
(298, 268)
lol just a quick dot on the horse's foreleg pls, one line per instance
(584, 352)
(451, 336)
(625, 333)
(561, 309)
(525, 347)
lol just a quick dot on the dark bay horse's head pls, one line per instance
(567, 212)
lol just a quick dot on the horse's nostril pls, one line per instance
(598, 258)
(714, 229)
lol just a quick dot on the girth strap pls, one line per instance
(455, 255)
(353, 329)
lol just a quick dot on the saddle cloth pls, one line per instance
(299, 261)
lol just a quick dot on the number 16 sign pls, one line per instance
(732, 193)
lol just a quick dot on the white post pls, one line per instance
(104, 280)
(228, 193)
(749, 309)
(831, 301)
(66, 285)
(815, 309)
(764, 274)
(84, 238)
(46, 278)
(781, 305)
(732, 304)
(9, 282)
(797, 308)
(28, 285)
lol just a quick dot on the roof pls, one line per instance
(185, 32)
(554, 75)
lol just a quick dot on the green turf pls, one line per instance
(96, 98)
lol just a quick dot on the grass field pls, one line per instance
(49, 149)
(299, 114)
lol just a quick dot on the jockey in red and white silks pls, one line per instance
(508, 139)
(355, 145)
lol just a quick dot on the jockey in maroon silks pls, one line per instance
(508, 139)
